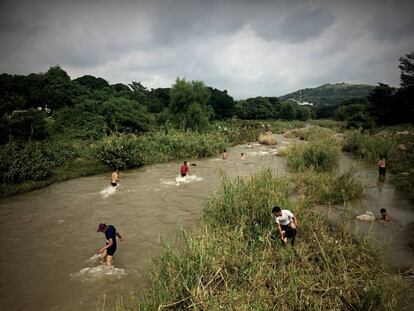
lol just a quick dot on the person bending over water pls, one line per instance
(184, 170)
(107, 252)
(114, 178)
(286, 224)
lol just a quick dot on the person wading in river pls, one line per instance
(224, 154)
(109, 249)
(381, 169)
(286, 224)
(114, 178)
(184, 170)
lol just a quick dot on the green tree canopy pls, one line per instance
(188, 105)
(288, 110)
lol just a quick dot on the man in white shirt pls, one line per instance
(286, 224)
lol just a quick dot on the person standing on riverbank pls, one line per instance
(184, 170)
(114, 178)
(107, 252)
(286, 224)
(381, 169)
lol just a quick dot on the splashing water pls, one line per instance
(110, 190)
(97, 273)
(181, 180)
(94, 259)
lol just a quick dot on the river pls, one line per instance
(50, 239)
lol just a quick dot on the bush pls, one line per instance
(267, 140)
(314, 133)
(21, 162)
(328, 188)
(119, 152)
(321, 156)
(369, 147)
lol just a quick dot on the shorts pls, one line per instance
(113, 184)
(111, 250)
(381, 171)
(290, 233)
(183, 174)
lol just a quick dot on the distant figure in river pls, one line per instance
(384, 215)
(114, 178)
(184, 170)
(107, 252)
(381, 168)
(242, 157)
(286, 224)
(224, 154)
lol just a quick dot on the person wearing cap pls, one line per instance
(109, 249)
(286, 224)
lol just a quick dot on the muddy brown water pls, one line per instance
(49, 237)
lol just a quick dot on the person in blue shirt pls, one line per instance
(109, 249)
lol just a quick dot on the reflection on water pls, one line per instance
(50, 233)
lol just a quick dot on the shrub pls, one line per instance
(21, 162)
(369, 147)
(313, 133)
(328, 188)
(119, 152)
(267, 140)
(321, 156)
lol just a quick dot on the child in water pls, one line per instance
(242, 157)
(224, 154)
(184, 170)
(384, 215)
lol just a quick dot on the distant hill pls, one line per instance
(330, 94)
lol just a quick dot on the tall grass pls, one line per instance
(370, 147)
(329, 188)
(267, 140)
(314, 133)
(327, 123)
(232, 263)
(320, 156)
(127, 151)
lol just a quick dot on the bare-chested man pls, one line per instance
(114, 178)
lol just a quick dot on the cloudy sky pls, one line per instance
(247, 47)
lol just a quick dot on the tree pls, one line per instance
(188, 104)
(382, 102)
(23, 125)
(254, 108)
(304, 113)
(407, 70)
(222, 103)
(288, 111)
(91, 82)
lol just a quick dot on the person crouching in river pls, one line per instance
(109, 249)
(381, 169)
(286, 224)
(184, 170)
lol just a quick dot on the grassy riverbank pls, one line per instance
(32, 165)
(396, 144)
(231, 261)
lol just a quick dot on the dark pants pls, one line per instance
(381, 171)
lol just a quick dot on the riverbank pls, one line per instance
(35, 165)
(235, 261)
(232, 262)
